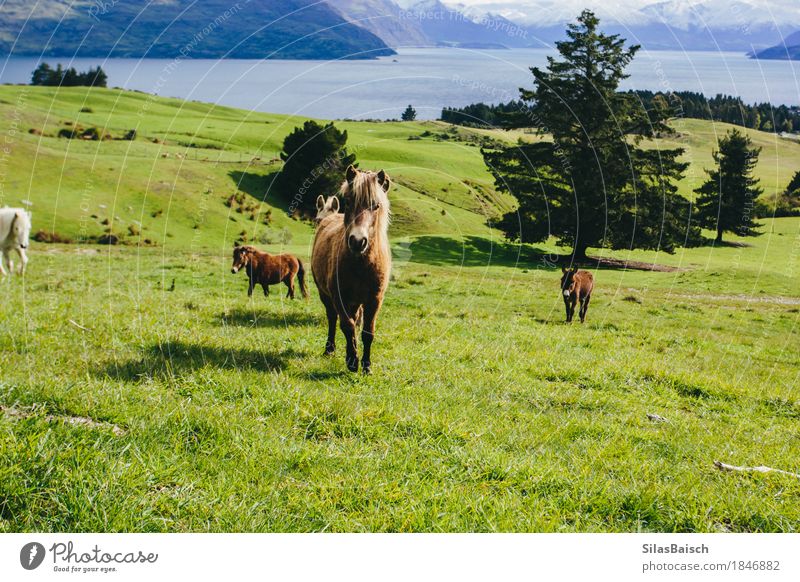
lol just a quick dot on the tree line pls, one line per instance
(761, 116)
(45, 75)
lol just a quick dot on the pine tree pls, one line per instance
(725, 202)
(410, 114)
(589, 184)
(315, 158)
(42, 75)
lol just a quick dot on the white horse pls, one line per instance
(326, 207)
(15, 229)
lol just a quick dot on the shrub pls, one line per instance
(44, 236)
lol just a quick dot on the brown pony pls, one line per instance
(576, 286)
(265, 269)
(351, 262)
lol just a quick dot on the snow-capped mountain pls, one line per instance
(734, 25)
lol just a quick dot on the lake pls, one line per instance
(426, 78)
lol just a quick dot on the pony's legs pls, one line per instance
(566, 305)
(23, 260)
(289, 280)
(9, 261)
(348, 325)
(330, 311)
(584, 307)
(570, 308)
(3, 260)
(370, 314)
(251, 284)
(266, 289)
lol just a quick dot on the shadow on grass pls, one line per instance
(474, 251)
(257, 318)
(176, 358)
(327, 374)
(711, 242)
(262, 187)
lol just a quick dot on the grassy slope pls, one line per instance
(69, 180)
(487, 413)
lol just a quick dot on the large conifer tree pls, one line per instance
(588, 183)
(726, 201)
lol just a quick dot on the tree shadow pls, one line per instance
(240, 317)
(475, 251)
(172, 359)
(262, 187)
(321, 375)
(712, 242)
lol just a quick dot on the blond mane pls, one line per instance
(366, 192)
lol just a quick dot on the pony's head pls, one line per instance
(21, 228)
(241, 258)
(326, 207)
(366, 208)
(568, 281)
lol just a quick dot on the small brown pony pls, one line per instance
(265, 270)
(351, 262)
(576, 286)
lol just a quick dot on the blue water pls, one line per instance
(426, 78)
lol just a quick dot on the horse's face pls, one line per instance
(326, 207)
(365, 206)
(21, 229)
(241, 258)
(568, 281)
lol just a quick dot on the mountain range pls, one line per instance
(288, 29)
(789, 50)
(334, 29)
(738, 25)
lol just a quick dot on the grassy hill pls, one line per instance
(189, 156)
(142, 391)
(171, 183)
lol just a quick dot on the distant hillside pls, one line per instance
(280, 29)
(789, 49)
(383, 18)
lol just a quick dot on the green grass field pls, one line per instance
(128, 406)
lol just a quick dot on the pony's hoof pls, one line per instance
(352, 364)
(329, 353)
(366, 368)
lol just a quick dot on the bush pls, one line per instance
(315, 158)
(44, 236)
(108, 239)
(92, 133)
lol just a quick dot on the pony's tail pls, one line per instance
(301, 276)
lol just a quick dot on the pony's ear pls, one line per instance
(335, 204)
(563, 269)
(575, 270)
(320, 203)
(350, 174)
(384, 181)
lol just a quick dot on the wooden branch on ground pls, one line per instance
(78, 325)
(760, 469)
